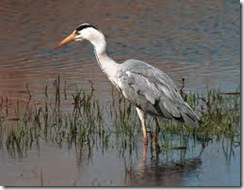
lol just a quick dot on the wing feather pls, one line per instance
(153, 91)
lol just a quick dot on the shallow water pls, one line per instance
(195, 40)
(54, 166)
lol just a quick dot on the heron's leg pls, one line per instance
(157, 130)
(141, 115)
(142, 164)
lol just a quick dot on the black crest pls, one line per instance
(83, 26)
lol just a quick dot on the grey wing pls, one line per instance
(154, 92)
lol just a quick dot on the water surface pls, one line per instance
(195, 40)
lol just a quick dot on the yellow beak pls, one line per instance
(67, 40)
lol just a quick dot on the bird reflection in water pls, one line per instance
(156, 172)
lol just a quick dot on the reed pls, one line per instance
(92, 123)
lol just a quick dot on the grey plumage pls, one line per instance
(148, 88)
(154, 92)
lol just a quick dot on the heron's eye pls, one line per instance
(77, 32)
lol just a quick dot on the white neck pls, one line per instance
(107, 64)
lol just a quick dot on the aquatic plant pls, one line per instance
(76, 118)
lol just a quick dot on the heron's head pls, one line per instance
(84, 31)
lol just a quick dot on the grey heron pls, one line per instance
(148, 88)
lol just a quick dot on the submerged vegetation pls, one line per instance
(79, 119)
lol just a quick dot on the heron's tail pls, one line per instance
(189, 116)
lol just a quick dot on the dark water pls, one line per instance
(195, 40)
